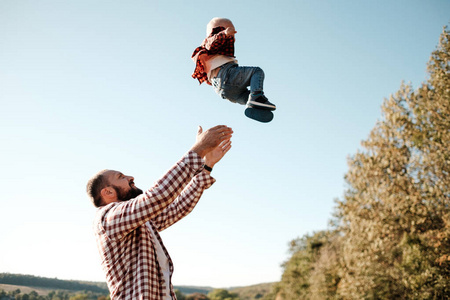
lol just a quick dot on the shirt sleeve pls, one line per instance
(215, 42)
(184, 203)
(119, 218)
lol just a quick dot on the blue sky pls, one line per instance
(89, 85)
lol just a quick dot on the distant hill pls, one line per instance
(49, 284)
(53, 283)
(253, 292)
(187, 290)
(45, 285)
(24, 289)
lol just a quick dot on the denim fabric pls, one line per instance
(232, 81)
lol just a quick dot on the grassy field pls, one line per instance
(25, 289)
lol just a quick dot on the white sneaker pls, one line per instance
(260, 102)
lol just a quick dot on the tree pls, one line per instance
(309, 273)
(222, 294)
(391, 232)
(79, 297)
(34, 295)
(180, 295)
(395, 215)
(197, 296)
(327, 272)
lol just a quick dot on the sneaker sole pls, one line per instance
(254, 104)
(260, 115)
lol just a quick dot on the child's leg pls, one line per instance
(257, 81)
(237, 79)
(232, 82)
(257, 98)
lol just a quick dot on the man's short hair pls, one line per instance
(95, 186)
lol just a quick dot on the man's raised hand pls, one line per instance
(210, 139)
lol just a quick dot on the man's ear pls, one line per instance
(108, 194)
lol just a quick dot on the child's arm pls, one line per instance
(215, 41)
(230, 31)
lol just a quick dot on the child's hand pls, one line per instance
(230, 31)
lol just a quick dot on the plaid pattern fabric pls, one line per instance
(216, 43)
(124, 241)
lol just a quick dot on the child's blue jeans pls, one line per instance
(232, 81)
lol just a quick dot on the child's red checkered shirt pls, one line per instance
(216, 43)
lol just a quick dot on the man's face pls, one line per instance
(124, 186)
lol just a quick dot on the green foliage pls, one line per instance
(392, 227)
(253, 292)
(222, 294)
(395, 213)
(312, 270)
(28, 280)
(180, 295)
(197, 296)
(88, 291)
(53, 295)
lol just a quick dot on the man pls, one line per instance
(136, 263)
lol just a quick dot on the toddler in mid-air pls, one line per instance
(216, 65)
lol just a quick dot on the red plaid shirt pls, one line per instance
(216, 43)
(125, 242)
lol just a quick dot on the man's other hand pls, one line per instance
(211, 138)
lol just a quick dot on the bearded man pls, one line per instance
(128, 220)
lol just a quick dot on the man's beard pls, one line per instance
(122, 195)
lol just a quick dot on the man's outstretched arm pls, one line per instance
(190, 196)
(119, 219)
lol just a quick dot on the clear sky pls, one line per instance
(89, 85)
